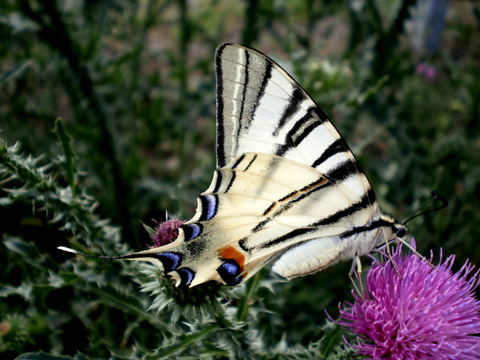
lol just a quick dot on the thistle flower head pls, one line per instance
(413, 310)
(167, 232)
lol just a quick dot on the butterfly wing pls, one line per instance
(287, 188)
(257, 208)
(260, 108)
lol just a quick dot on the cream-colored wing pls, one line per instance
(287, 187)
(258, 208)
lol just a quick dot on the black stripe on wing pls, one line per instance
(220, 108)
(239, 163)
(300, 194)
(232, 180)
(289, 200)
(367, 199)
(336, 147)
(374, 225)
(336, 217)
(294, 105)
(344, 171)
(218, 181)
(261, 91)
(337, 175)
(244, 93)
(219, 178)
(299, 131)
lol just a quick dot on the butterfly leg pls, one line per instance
(389, 254)
(414, 250)
(356, 275)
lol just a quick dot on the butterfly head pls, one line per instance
(402, 230)
(392, 228)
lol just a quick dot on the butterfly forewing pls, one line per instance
(260, 108)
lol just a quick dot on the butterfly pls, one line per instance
(287, 189)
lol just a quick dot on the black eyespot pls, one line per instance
(169, 260)
(186, 275)
(230, 272)
(209, 206)
(191, 231)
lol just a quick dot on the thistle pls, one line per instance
(413, 310)
(166, 232)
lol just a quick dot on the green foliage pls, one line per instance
(133, 83)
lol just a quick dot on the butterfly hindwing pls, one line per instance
(260, 207)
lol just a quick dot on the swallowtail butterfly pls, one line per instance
(287, 189)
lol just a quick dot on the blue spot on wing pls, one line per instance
(170, 260)
(192, 231)
(186, 275)
(209, 206)
(230, 272)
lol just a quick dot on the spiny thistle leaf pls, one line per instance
(25, 178)
(70, 168)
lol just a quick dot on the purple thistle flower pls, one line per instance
(412, 310)
(167, 232)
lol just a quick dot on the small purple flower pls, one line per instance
(413, 310)
(428, 71)
(167, 232)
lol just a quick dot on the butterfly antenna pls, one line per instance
(418, 212)
(413, 215)
(402, 231)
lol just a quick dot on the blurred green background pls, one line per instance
(134, 85)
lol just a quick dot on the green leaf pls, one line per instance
(22, 248)
(24, 290)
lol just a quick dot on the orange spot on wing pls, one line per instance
(230, 252)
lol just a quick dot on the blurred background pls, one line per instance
(134, 85)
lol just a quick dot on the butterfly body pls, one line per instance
(287, 188)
